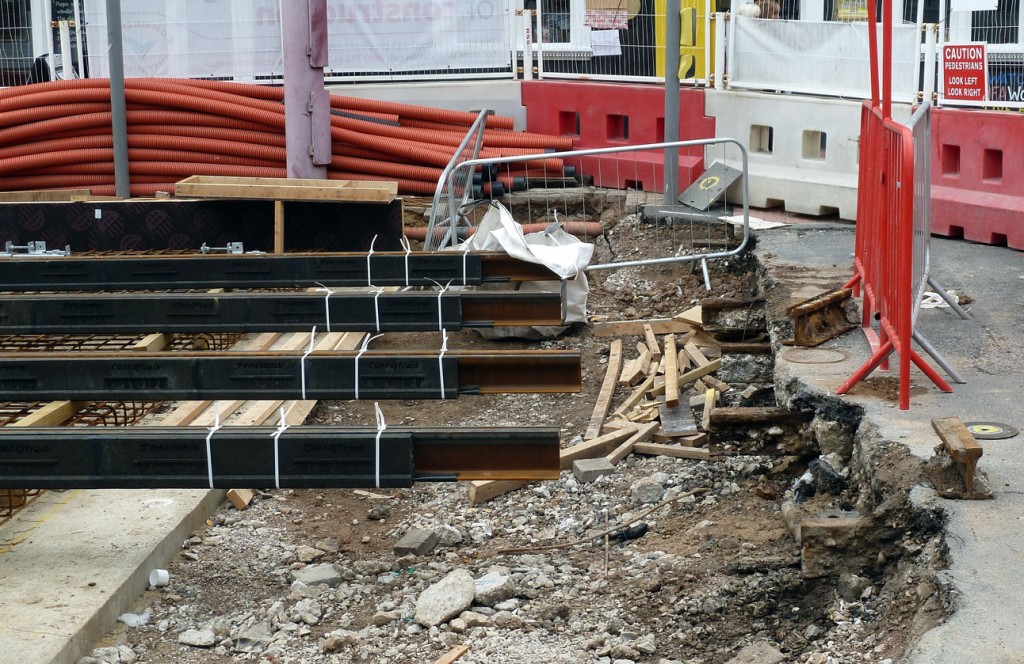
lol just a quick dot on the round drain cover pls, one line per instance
(991, 430)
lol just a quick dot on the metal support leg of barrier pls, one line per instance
(704, 269)
(937, 356)
(951, 301)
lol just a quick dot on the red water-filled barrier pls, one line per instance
(599, 115)
(57, 135)
(978, 176)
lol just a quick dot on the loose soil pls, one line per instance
(711, 575)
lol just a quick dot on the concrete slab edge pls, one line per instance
(137, 580)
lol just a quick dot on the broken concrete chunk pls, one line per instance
(416, 541)
(198, 638)
(588, 470)
(494, 587)
(647, 491)
(761, 652)
(312, 575)
(446, 599)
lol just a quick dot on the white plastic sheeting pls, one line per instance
(242, 38)
(829, 58)
(560, 252)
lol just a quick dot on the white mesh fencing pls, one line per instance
(16, 49)
(369, 39)
(827, 58)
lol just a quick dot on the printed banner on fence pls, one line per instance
(964, 74)
(218, 38)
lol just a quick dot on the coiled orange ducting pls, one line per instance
(57, 135)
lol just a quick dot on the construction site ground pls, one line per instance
(713, 574)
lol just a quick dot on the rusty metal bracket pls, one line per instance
(820, 318)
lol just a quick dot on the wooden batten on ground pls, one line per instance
(654, 418)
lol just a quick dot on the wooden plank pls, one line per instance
(677, 420)
(698, 357)
(604, 397)
(719, 385)
(240, 498)
(57, 195)
(51, 415)
(481, 491)
(257, 413)
(278, 227)
(455, 653)
(699, 372)
(286, 189)
(691, 316)
(652, 342)
(628, 369)
(185, 413)
(671, 371)
(153, 342)
(633, 399)
(962, 447)
(600, 446)
(709, 404)
(678, 451)
(687, 440)
(619, 328)
(642, 434)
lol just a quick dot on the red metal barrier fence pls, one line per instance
(884, 262)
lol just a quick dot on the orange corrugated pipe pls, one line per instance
(52, 127)
(420, 112)
(212, 133)
(386, 168)
(406, 186)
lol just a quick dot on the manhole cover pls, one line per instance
(991, 430)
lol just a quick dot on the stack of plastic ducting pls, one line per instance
(58, 136)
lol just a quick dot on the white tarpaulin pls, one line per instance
(560, 252)
(242, 38)
(815, 58)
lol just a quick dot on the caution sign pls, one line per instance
(965, 72)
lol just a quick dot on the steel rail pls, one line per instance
(297, 457)
(361, 375)
(33, 272)
(147, 313)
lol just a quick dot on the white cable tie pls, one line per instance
(440, 360)
(369, 279)
(362, 349)
(440, 317)
(408, 250)
(381, 426)
(302, 362)
(376, 309)
(209, 437)
(281, 427)
(327, 304)
(465, 258)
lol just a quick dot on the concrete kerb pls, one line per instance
(74, 561)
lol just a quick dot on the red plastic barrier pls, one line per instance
(978, 176)
(598, 115)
